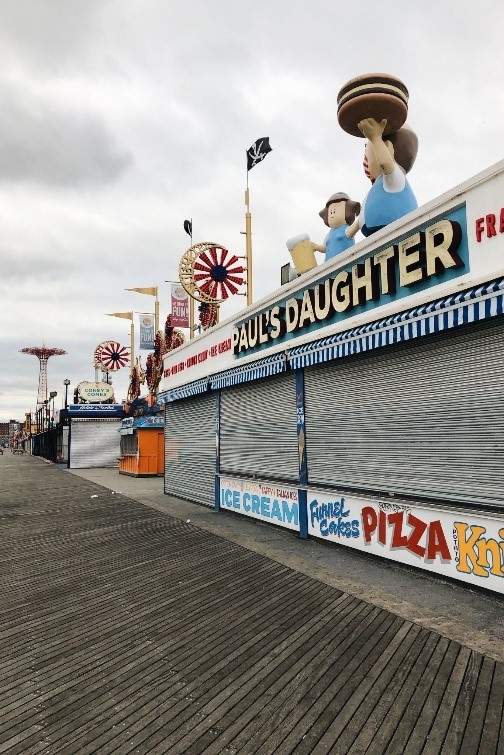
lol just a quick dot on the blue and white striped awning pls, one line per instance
(271, 365)
(184, 391)
(472, 305)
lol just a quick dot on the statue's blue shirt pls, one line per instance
(382, 207)
(336, 241)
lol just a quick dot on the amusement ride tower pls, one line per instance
(43, 353)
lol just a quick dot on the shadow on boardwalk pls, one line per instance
(128, 630)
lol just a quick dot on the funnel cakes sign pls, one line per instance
(414, 262)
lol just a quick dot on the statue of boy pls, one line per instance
(386, 162)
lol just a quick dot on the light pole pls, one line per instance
(45, 424)
(66, 383)
(52, 396)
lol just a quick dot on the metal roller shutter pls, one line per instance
(190, 448)
(258, 435)
(94, 443)
(422, 418)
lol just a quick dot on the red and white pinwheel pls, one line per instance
(210, 273)
(113, 356)
(218, 273)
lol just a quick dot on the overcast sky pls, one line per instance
(122, 118)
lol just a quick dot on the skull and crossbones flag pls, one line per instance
(258, 152)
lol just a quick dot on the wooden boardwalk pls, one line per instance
(126, 630)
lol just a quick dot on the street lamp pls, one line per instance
(45, 418)
(52, 396)
(66, 383)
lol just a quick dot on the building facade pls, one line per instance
(360, 404)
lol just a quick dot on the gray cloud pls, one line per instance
(44, 142)
(121, 118)
(52, 36)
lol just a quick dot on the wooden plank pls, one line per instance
(477, 719)
(219, 688)
(493, 725)
(462, 705)
(407, 731)
(123, 630)
(307, 671)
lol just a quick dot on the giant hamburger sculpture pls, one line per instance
(375, 106)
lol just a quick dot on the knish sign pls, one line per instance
(391, 272)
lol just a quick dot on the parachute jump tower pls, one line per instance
(43, 354)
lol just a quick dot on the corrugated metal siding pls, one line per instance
(94, 443)
(190, 448)
(422, 418)
(258, 435)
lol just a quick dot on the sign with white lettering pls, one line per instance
(201, 356)
(448, 245)
(179, 306)
(414, 262)
(95, 410)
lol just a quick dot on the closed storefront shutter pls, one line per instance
(94, 443)
(258, 436)
(190, 448)
(422, 418)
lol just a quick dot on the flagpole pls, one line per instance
(156, 314)
(128, 316)
(255, 154)
(248, 244)
(151, 291)
(191, 317)
(132, 346)
(188, 228)
(191, 300)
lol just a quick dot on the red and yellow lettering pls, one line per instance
(490, 225)
(369, 522)
(436, 542)
(398, 539)
(419, 528)
(480, 227)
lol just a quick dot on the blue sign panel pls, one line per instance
(435, 252)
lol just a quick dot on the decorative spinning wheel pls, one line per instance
(111, 356)
(210, 273)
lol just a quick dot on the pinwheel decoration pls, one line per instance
(112, 356)
(210, 273)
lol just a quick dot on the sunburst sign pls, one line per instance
(111, 356)
(210, 273)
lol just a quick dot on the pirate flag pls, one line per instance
(258, 152)
(188, 227)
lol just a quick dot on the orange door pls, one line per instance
(160, 452)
